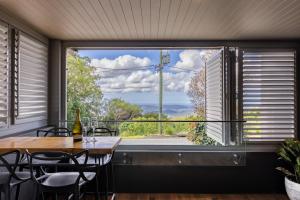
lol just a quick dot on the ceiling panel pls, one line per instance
(160, 19)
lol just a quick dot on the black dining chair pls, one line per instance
(9, 177)
(65, 182)
(54, 132)
(102, 161)
(103, 131)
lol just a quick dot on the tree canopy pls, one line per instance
(155, 116)
(83, 91)
(118, 109)
(196, 92)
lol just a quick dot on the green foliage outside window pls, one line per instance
(83, 92)
(118, 109)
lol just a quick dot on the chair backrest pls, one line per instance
(54, 132)
(57, 132)
(103, 131)
(61, 132)
(9, 162)
(38, 159)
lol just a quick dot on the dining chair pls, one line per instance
(102, 161)
(65, 182)
(103, 131)
(9, 177)
(56, 131)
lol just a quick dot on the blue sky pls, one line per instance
(112, 54)
(133, 80)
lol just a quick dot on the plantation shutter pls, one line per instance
(214, 97)
(268, 95)
(3, 75)
(31, 79)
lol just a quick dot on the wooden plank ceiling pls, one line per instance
(160, 19)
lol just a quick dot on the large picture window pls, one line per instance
(149, 96)
(184, 96)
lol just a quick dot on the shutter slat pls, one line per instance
(33, 80)
(33, 49)
(32, 88)
(39, 62)
(214, 97)
(3, 75)
(33, 66)
(268, 95)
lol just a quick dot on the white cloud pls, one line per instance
(122, 64)
(136, 76)
(145, 81)
(176, 81)
(189, 60)
(137, 81)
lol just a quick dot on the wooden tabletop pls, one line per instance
(104, 145)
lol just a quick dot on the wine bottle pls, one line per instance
(77, 128)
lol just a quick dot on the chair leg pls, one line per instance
(7, 192)
(106, 182)
(97, 194)
(76, 194)
(42, 193)
(54, 196)
(36, 195)
(17, 192)
(112, 177)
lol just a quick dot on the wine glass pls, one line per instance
(63, 124)
(94, 125)
(85, 127)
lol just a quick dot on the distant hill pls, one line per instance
(170, 110)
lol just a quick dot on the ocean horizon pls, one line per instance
(172, 110)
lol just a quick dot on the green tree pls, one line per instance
(83, 91)
(196, 92)
(154, 116)
(118, 109)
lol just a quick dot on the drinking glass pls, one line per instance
(94, 125)
(63, 124)
(85, 128)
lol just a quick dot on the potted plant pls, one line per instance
(289, 152)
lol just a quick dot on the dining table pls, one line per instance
(102, 145)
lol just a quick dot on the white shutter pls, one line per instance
(3, 75)
(31, 79)
(214, 97)
(268, 95)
